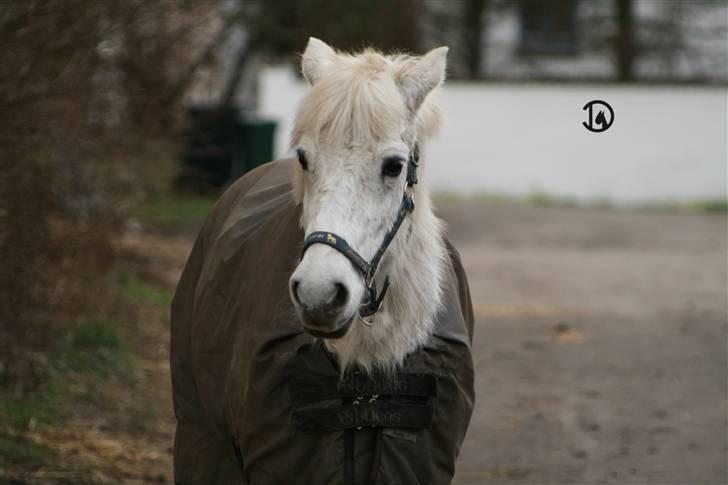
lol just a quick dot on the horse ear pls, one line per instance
(416, 81)
(316, 60)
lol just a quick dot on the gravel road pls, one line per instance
(600, 345)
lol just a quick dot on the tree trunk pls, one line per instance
(188, 76)
(241, 62)
(473, 36)
(625, 45)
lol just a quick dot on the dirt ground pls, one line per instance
(600, 354)
(116, 427)
(600, 345)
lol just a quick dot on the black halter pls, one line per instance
(369, 269)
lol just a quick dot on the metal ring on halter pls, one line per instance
(372, 317)
(363, 320)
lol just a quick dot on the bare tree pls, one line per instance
(89, 98)
(474, 12)
(625, 45)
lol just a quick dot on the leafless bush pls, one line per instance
(89, 105)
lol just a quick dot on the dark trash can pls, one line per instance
(257, 143)
(221, 145)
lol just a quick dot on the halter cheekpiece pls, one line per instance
(368, 269)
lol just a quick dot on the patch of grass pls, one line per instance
(699, 206)
(176, 211)
(35, 408)
(96, 347)
(39, 407)
(543, 199)
(15, 451)
(94, 336)
(132, 287)
(719, 206)
(148, 410)
(539, 198)
(90, 349)
(485, 198)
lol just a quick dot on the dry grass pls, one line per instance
(103, 413)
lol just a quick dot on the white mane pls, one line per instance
(360, 100)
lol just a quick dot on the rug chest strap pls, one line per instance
(308, 390)
(350, 416)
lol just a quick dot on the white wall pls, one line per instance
(665, 143)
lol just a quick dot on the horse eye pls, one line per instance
(392, 167)
(302, 158)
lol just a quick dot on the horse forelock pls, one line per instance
(357, 102)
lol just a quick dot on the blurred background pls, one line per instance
(597, 261)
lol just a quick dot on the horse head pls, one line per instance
(356, 136)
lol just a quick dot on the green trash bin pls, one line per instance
(255, 145)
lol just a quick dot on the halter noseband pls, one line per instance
(369, 268)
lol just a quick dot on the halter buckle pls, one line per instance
(368, 320)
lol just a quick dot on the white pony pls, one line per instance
(354, 134)
(258, 398)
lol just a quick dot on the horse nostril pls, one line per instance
(341, 297)
(294, 291)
